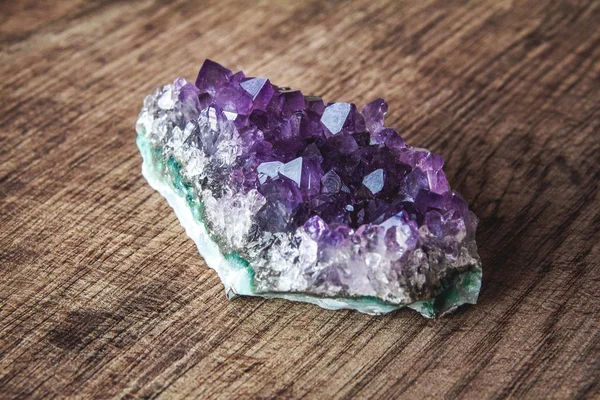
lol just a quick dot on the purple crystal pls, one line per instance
(359, 172)
(374, 113)
(261, 91)
(332, 174)
(212, 77)
(331, 183)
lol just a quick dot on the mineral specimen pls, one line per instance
(288, 197)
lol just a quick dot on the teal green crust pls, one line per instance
(462, 289)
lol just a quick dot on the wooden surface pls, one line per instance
(103, 295)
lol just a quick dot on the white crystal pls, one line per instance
(335, 116)
(231, 116)
(166, 102)
(293, 170)
(374, 181)
(268, 169)
(253, 86)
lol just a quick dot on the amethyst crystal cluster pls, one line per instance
(286, 196)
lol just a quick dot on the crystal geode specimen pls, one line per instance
(288, 197)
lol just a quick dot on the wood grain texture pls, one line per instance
(102, 295)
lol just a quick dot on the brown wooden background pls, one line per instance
(103, 295)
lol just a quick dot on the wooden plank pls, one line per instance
(102, 294)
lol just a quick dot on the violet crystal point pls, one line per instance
(288, 197)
